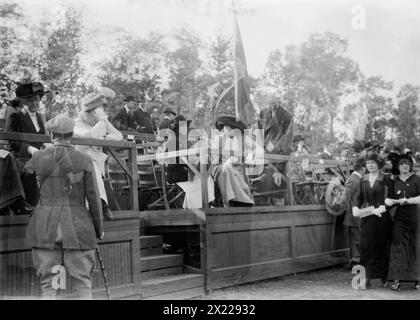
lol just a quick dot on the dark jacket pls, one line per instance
(165, 124)
(67, 179)
(144, 121)
(124, 121)
(352, 191)
(21, 122)
(277, 124)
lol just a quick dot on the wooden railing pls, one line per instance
(206, 168)
(109, 145)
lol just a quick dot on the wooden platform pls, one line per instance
(237, 246)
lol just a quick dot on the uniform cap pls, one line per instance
(61, 124)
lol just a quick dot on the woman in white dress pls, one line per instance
(92, 122)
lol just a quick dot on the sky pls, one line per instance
(388, 44)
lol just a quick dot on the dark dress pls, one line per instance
(375, 232)
(403, 263)
(21, 122)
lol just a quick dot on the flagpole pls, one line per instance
(235, 71)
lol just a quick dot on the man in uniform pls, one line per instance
(62, 231)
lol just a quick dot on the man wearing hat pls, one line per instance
(62, 231)
(28, 120)
(168, 116)
(145, 124)
(300, 148)
(349, 199)
(125, 119)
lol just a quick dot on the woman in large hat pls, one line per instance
(404, 264)
(229, 174)
(92, 122)
(376, 223)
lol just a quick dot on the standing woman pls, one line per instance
(376, 223)
(403, 264)
(92, 122)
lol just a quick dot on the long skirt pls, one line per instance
(403, 263)
(232, 185)
(375, 245)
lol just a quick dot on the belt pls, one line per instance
(61, 201)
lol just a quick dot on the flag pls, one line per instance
(244, 109)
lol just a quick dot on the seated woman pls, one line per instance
(229, 172)
(92, 122)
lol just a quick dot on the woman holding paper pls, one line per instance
(376, 224)
(403, 264)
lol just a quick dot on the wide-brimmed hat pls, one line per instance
(169, 110)
(229, 120)
(130, 99)
(93, 101)
(374, 156)
(405, 157)
(30, 89)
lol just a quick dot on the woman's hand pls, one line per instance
(403, 201)
(389, 202)
(356, 212)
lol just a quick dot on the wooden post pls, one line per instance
(204, 178)
(134, 192)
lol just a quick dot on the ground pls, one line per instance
(325, 284)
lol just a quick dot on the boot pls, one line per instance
(106, 212)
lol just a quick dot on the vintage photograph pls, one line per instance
(216, 150)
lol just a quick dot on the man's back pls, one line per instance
(66, 180)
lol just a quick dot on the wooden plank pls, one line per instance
(172, 283)
(173, 217)
(161, 261)
(75, 141)
(134, 193)
(161, 272)
(152, 251)
(272, 269)
(151, 241)
(179, 295)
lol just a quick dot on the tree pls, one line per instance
(407, 114)
(184, 65)
(136, 68)
(313, 78)
(375, 99)
(60, 65)
(19, 54)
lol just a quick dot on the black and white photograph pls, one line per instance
(219, 152)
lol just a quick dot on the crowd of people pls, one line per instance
(381, 211)
(380, 197)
